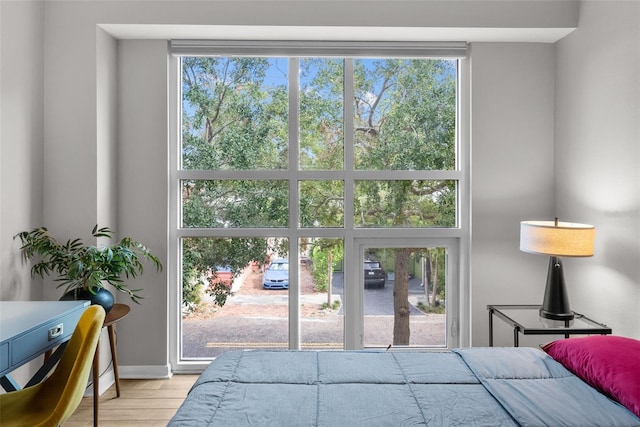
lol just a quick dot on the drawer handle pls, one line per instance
(56, 331)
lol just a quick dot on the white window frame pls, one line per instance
(354, 296)
(456, 239)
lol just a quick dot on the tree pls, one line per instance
(231, 121)
(202, 255)
(401, 309)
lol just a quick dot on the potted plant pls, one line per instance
(83, 270)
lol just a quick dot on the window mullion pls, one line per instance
(353, 320)
(294, 203)
(348, 96)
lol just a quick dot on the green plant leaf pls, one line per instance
(80, 266)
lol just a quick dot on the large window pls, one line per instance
(317, 201)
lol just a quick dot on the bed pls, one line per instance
(465, 387)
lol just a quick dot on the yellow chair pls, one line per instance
(52, 401)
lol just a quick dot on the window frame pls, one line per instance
(457, 238)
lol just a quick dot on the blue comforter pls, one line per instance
(466, 387)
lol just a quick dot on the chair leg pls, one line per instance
(96, 385)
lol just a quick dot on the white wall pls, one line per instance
(598, 158)
(512, 113)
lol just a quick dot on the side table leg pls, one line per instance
(490, 327)
(516, 342)
(114, 357)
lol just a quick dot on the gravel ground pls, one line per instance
(257, 318)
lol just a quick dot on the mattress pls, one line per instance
(464, 387)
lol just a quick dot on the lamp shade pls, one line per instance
(557, 238)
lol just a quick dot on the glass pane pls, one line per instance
(234, 113)
(321, 291)
(404, 297)
(235, 203)
(321, 114)
(321, 203)
(405, 114)
(225, 305)
(405, 203)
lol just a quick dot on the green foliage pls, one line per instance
(335, 305)
(191, 294)
(438, 272)
(321, 118)
(405, 115)
(405, 120)
(235, 203)
(319, 253)
(321, 203)
(81, 266)
(405, 203)
(437, 309)
(203, 255)
(233, 118)
(220, 293)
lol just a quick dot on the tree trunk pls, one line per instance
(401, 330)
(434, 270)
(330, 276)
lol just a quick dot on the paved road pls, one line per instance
(379, 302)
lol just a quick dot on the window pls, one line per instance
(348, 170)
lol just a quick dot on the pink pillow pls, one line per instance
(611, 364)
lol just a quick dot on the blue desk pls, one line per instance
(31, 328)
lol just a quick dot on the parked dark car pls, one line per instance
(374, 275)
(276, 276)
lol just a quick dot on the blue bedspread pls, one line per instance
(538, 391)
(348, 388)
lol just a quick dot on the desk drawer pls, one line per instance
(44, 337)
(4, 357)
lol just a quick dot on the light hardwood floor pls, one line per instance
(141, 403)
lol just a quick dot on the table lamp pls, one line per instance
(556, 239)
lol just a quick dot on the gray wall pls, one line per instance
(143, 188)
(21, 145)
(86, 114)
(21, 134)
(512, 109)
(598, 158)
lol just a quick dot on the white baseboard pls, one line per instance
(106, 380)
(145, 371)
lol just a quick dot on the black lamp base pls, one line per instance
(555, 305)
(556, 316)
